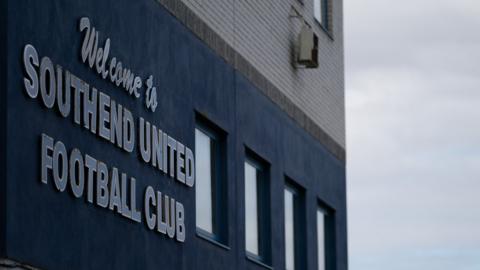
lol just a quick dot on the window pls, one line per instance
(321, 239)
(210, 185)
(321, 11)
(257, 222)
(294, 228)
(289, 230)
(251, 209)
(203, 175)
(325, 238)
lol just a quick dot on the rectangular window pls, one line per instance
(289, 230)
(257, 221)
(320, 12)
(325, 237)
(321, 239)
(251, 209)
(204, 180)
(210, 185)
(294, 227)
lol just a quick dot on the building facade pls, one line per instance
(172, 134)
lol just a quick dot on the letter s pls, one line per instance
(30, 58)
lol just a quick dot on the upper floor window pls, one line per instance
(325, 238)
(289, 229)
(256, 211)
(210, 184)
(294, 228)
(321, 12)
(321, 239)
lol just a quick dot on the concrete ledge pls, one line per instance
(220, 46)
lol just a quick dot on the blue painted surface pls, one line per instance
(3, 120)
(53, 230)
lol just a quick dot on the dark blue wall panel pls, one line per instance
(53, 230)
(3, 119)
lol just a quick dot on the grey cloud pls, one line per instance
(408, 31)
(413, 134)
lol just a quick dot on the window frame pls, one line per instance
(329, 225)
(325, 22)
(263, 210)
(219, 184)
(299, 223)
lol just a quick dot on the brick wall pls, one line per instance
(264, 34)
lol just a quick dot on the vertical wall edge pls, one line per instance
(3, 123)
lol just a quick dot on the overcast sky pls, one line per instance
(413, 134)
